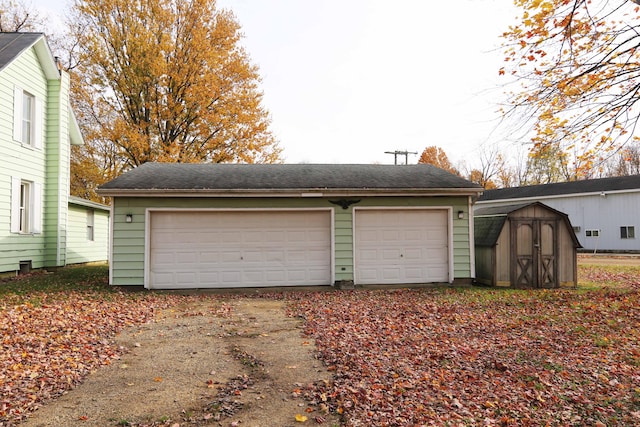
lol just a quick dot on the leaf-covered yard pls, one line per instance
(437, 356)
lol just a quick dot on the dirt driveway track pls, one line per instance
(240, 363)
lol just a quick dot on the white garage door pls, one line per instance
(401, 246)
(239, 249)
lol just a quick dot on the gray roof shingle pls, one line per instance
(486, 230)
(189, 177)
(618, 183)
(13, 44)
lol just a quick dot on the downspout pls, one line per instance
(472, 240)
(63, 166)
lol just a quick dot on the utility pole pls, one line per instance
(397, 153)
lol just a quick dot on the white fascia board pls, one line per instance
(75, 135)
(47, 61)
(291, 193)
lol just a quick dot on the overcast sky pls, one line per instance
(347, 80)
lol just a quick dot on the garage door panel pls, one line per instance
(414, 254)
(162, 277)
(367, 275)
(234, 249)
(162, 258)
(273, 256)
(182, 278)
(401, 246)
(391, 274)
(213, 257)
(415, 273)
(390, 255)
(276, 236)
(186, 257)
(227, 237)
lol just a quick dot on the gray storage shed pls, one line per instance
(525, 246)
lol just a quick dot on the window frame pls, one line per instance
(27, 135)
(26, 207)
(627, 232)
(592, 232)
(91, 225)
(27, 124)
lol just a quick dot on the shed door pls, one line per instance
(401, 246)
(226, 249)
(535, 246)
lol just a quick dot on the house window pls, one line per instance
(26, 206)
(627, 232)
(90, 229)
(592, 233)
(28, 118)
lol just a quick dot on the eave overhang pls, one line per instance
(292, 193)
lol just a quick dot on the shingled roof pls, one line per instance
(488, 222)
(13, 44)
(175, 178)
(618, 183)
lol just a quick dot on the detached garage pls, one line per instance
(186, 226)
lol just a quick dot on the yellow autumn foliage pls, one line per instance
(581, 99)
(166, 81)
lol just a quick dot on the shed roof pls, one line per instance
(486, 230)
(499, 210)
(618, 183)
(488, 222)
(190, 178)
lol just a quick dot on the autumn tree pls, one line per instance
(577, 64)
(546, 164)
(164, 80)
(16, 16)
(491, 169)
(624, 162)
(436, 156)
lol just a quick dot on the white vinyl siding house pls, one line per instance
(603, 212)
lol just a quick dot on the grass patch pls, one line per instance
(92, 279)
(595, 276)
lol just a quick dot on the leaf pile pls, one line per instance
(51, 339)
(478, 356)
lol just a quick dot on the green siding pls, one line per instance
(127, 264)
(20, 161)
(343, 244)
(47, 166)
(79, 248)
(57, 174)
